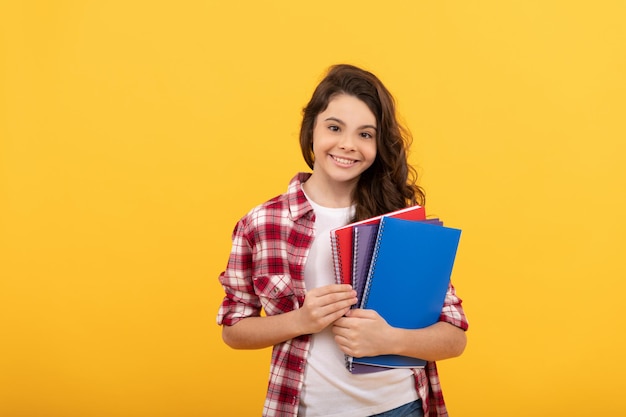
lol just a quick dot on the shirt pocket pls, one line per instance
(276, 292)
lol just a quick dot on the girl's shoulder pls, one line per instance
(269, 208)
(293, 199)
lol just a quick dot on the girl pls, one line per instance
(281, 262)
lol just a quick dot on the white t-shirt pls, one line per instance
(330, 390)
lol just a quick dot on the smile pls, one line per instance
(344, 161)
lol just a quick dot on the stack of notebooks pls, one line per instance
(400, 265)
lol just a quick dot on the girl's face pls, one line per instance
(344, 140)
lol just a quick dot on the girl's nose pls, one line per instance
(346, 142)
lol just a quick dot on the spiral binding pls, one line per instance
(334, 243)
(370, 274)
(355, 248)
(349, 362)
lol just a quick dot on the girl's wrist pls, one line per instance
(298, 323)
(394, 340)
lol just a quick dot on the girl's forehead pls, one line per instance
(348, 106)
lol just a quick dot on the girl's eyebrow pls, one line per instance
(334, 119)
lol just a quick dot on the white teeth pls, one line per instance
(343, 161)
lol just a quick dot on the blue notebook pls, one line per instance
(408, 279)
(363, 242)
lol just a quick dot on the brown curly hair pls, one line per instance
(390, 183)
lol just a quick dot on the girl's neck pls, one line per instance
(329, 195)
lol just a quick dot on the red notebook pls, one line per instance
(341, 240)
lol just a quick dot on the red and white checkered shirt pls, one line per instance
(266, 271)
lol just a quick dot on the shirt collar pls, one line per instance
(298, 203)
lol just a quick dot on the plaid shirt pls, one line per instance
(266, 271)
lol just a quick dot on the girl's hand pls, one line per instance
(323, 305)
(363, 333)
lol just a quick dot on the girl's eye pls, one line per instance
(333, 128)
(366, 135)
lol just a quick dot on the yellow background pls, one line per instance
(134, 134)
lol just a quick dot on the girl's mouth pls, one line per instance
(343, 161)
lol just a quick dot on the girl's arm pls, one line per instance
(366, 333)
(437, 342)
(322, 306)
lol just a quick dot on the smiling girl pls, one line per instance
(281, 263)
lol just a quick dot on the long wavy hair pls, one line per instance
(390, 183)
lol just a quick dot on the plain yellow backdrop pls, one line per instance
(134, 134)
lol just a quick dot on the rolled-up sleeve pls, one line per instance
(452, 311)
(240, 300)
